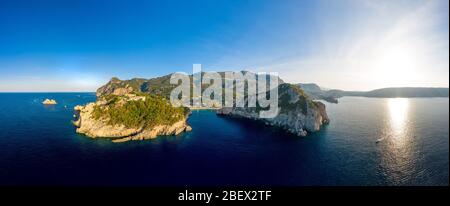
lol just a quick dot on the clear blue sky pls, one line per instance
(65, 45)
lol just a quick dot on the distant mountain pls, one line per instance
(314, 91)
(310, 87)
(408, 92)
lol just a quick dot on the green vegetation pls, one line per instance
(303, 102)
(284, 100)
(153, 111)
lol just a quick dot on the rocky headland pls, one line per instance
(130, 116)
(298, 114)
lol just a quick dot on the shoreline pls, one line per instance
(204, 108)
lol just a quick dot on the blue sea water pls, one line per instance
(370, 141)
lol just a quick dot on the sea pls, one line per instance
(369, 141)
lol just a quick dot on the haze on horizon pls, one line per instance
(52, 45)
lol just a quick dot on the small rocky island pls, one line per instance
(49, 102)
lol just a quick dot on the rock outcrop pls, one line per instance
(49, 102)
(298, 114)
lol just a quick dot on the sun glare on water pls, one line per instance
(398, 113)
(397, 149)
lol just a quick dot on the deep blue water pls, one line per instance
(368, 142)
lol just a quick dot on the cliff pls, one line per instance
(298, 114)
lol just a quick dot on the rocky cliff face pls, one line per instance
(298, 114)
(99, 128)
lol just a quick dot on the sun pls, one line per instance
(397, 66)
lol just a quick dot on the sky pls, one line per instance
(78, 45)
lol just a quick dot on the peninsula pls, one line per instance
(139, 109)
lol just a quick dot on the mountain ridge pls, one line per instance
(332, 95)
